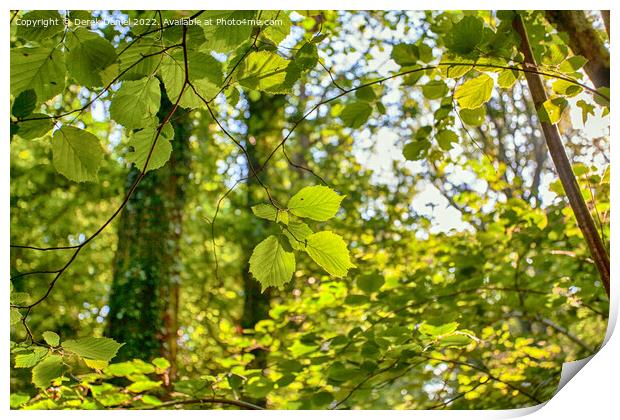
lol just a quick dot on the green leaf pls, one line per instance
(474, 117)
(445, 138)
(269, 212)
(205, 72)
(151, 400)
(573, 64)
(142, 386)
(507, 78)
(416, 150)
(435, 89)
(356, 114)
(24, 103)
(77, 153)
(307, 57)
(88, 55)
(600, 100)
(297, 232)
(440, 330)
(370, 283)
(264, 71)
(317, 203)
(455, 70)
(566, 88)
(51, 338)
(141, 143)
(19, 297)
(93, 348)
(465, 35)
(474, 92)
(16, 316)
(329, 251)
(17, 400)
(586, 109)
(225, 38)
(405, 54)
(136, 103)
(47, 370)
(235, 381)
(140, 59)
(366, 93)
(45, 24)
(276, 33)
(455, 340)
(551, 110)
(36, 127)
(161, 363)
(30, 359)
(128, 369)
(96, 364)
(41, 69)
(271, 264)
(203, 66)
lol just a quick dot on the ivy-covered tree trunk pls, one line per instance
(584, 40)
(144, 298)
(264, 125)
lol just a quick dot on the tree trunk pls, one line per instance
(606, 22)
(562, 164)
(144, 298)
(264, 130)
(584, 40)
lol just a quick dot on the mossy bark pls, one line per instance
(584, 40)
(144, 297)
(264, 131)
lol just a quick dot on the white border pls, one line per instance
(592, 394)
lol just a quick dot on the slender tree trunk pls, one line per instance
(144, 298)
(264, 125)
(606, 22)
(584, 40)
(562, 164)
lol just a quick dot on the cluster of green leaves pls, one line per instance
(52, 60)
(474, 52)
(273, 260)
(132, 383)
(48, 361)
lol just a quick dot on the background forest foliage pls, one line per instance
(305, 210)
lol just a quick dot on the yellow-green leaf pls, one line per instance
(475, 92)
(318, 203)
(271, 264)
(93, 348)
(269, 212)
(47, 370)
(51, 338)
(77, 154)
(329, 251)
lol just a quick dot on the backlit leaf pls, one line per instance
(136, 103)
(77, 154)
(271, 264)
(141, 144)
(92, 347)
(317, 202)
(51, 338)
(41, 69)
(47, 370)
(269, 212)
(474, 92)
(329, 251)
(356, 114)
